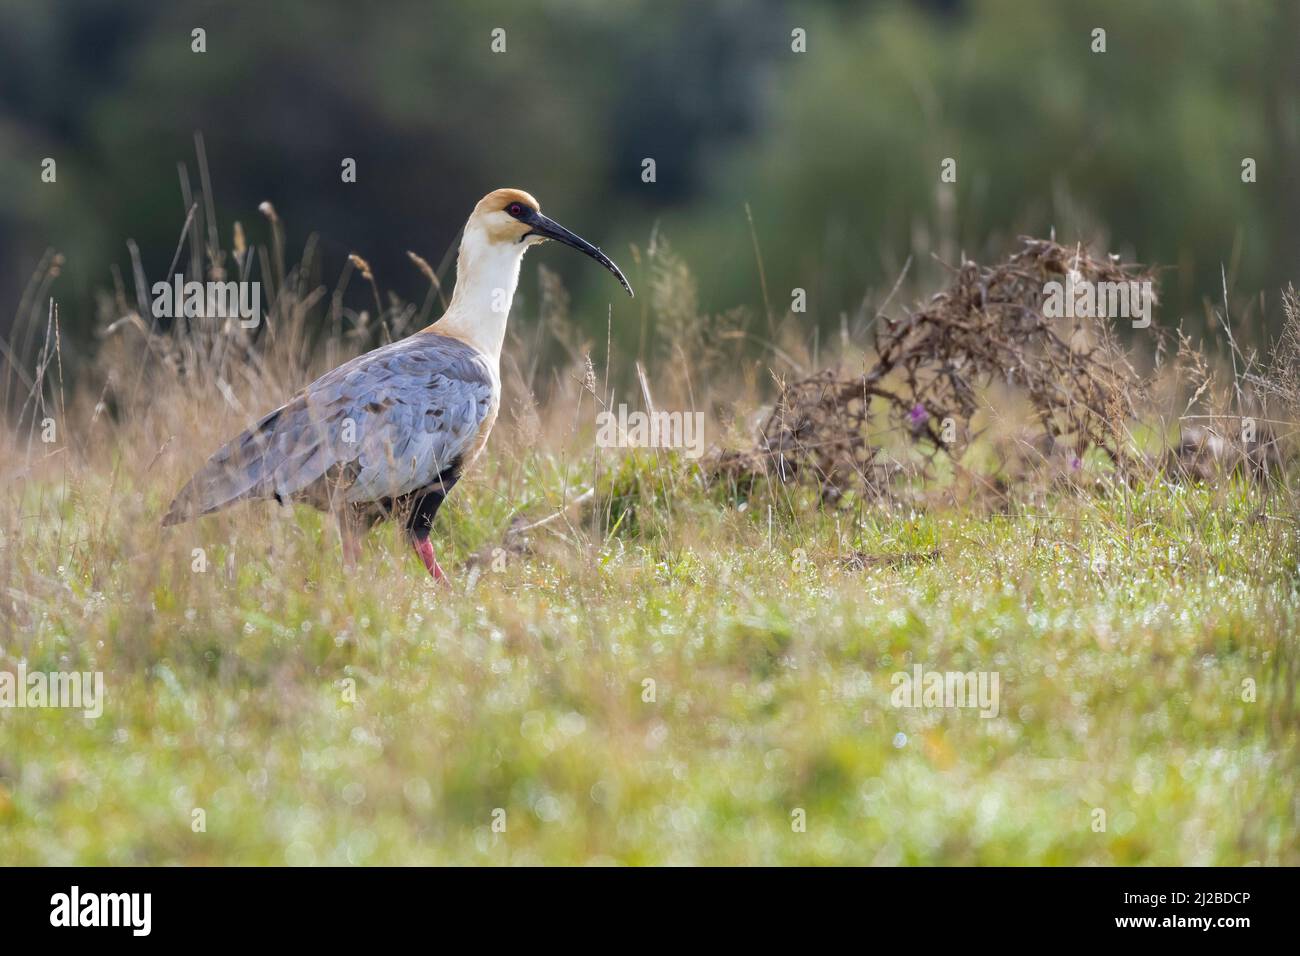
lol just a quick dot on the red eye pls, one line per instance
(515, 209)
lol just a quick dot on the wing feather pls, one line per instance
(385, 424)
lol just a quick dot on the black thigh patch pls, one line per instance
(425, 503)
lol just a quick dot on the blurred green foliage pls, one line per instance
(836, 150)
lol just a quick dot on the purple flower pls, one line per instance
(918, 416)
(1076, 463)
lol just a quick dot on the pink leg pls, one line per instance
(424, 548)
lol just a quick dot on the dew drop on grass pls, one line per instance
(418, 792)
(572, 724)
(361, 844)
(299, 853)
(548, 809)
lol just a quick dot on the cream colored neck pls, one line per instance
(486, 276)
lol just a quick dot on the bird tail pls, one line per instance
(213, 487)
(176, 513)
(235, 472)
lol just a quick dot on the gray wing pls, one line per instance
(385, 424)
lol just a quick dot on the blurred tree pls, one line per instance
(837, 149)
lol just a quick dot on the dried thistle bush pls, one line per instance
(933, 365)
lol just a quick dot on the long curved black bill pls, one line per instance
(550, 229)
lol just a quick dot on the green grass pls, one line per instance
(1122, 627)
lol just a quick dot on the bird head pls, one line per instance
(512, 216)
